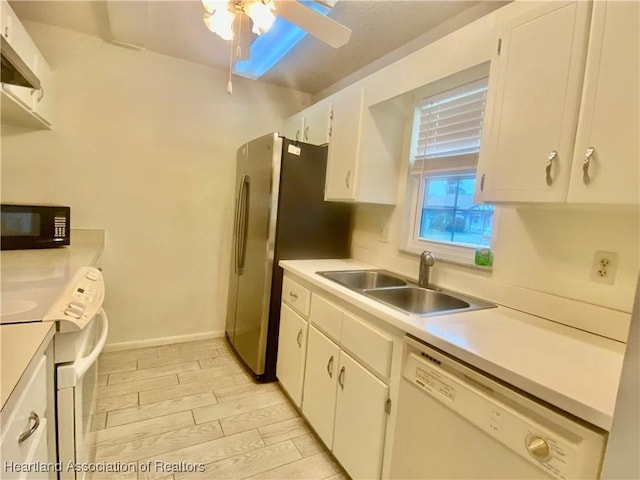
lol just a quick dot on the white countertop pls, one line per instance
(576, 371)
(20, 344)
(31, 280)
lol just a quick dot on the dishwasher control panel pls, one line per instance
(539, 437)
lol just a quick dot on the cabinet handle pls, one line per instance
(306, 132)
(41, 92)
(341, 378)
(585, 165)
(346, 179)
(330, 367)
(297, 135)
(299, 338)
(293, 295)
(552, 156)
(6, 31)
(24, 436)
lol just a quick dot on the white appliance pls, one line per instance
(454, 422)
(82, 332)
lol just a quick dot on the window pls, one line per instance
(442, 175)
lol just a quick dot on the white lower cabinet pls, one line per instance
(337, 366)
(292, 346)
(343, 400)
(361, 419)
(25, 429)
(320, 382)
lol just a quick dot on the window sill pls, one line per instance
(448, 259)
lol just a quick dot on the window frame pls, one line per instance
(455, 252)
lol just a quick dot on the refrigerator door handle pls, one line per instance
(236, 229)
(243, 226)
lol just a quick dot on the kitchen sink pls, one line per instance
(403, 295)
(364, 279)
(417, 300)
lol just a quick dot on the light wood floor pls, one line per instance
(193, 403)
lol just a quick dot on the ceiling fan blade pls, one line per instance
(323, 28)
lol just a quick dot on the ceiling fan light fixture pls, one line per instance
(262, 13)
(220, 22)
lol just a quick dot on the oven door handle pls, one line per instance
(85, 362)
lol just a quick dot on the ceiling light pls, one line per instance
(220, 21)
(221, 14)
(262, 14)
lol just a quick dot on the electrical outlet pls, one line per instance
(384, 233)
(605, 266)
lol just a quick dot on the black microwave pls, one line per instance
(34, 226)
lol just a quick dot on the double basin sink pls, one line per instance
(402, 295)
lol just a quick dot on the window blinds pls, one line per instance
(448, 129)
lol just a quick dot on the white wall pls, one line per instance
(143, 146)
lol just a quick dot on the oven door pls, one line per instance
(77, 385)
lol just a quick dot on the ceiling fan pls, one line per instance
(233, 19)
(221, 17)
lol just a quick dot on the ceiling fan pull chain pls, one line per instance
(229, 84)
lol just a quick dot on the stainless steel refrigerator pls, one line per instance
(280, 213)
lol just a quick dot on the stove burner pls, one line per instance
(11, 307)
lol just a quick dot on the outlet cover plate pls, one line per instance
(604, 267)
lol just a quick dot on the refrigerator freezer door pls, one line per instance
(256, 207)
(232, 297)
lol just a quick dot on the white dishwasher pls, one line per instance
(454, 422)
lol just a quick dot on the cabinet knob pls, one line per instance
(24, 436)
(552, 156)
(585, 165)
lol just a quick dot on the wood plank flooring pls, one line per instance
(190, 411)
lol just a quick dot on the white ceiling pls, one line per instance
(380, 29)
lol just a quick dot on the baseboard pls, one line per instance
(155, 342)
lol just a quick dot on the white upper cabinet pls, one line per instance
(344, 146)
(317, 123)
(536, 78)
(23, 106)
(310, 125)
(606, 161)
(294, 126)
(562, 121)
(364, 149)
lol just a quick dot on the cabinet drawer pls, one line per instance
(369, 345)
(296, 296)
(33, 398)
(326, 316)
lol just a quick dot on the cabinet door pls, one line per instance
(361, 420)
(320, 382)
(43, 98)
(316, 124)
(609, 112)
(344, 145)
(537, 73)
(292, 347)
(293, 126)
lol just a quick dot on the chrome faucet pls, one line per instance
(427, 260)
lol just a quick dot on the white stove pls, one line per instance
(73, 300)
